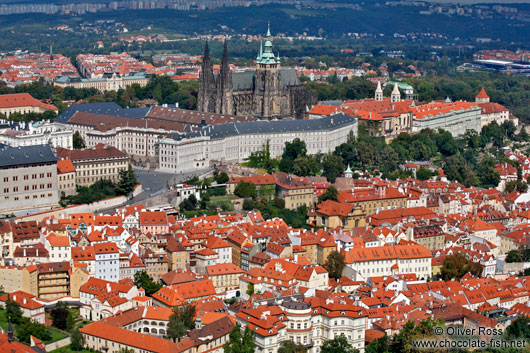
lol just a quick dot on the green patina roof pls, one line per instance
(401, 85)
(266, 56)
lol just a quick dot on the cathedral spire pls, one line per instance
(269, 29)
(224, 60)
(206, 55)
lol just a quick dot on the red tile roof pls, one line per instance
(22, 100)
(130, 338)
(65, 166)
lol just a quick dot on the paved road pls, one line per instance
(154, 181)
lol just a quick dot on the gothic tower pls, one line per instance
(224, 98)
(207, 88)
(267, 86)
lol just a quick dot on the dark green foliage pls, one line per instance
(458, 169)
(189, 204)
(515, 185)
(402, 342)
(292, 151)
(216, 191)
(278, 203)
(29, 117)
(13, 312)
(250, 289)
(143, 280)
(379, 345)
(77, 340)
(244, 189)
(335, 264)
(520, 328)
(127, 181)
(331, 193)
(29, 328)
(70, 322)
(332, 166)
(59, 316)
(220, 177)
(513, 256)
(249, 204)
(239, 342)
(289, 346)
(456, 266)
(103, 189)
(339, 344)
(305, 165)
(181, 321)
(423, 174)
(78, 141)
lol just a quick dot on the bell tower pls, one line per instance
(267, 83)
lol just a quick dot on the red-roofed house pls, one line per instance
(29, 306)
(154, 222)
(225, 278)
(107, 261)
(66, 181)
(22, 103)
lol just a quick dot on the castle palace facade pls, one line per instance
(268, 92)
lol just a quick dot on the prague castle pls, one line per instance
(268, 92)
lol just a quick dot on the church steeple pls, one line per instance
(379, 92)
(206, 100)
(267, 57)
(396, 95)
(224, 105)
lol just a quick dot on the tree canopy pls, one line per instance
(240, 342)
(335, 264)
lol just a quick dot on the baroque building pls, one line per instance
(268, 92)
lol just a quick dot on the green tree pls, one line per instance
(244, 189)
(331, 193)
(77, 141)
(289, 346)
(127, 181)
(143, 280)
(513, 256)
(60, 316)
(249, 204)
(379, 345)
(181, 321)
(29, 328)
(457, 265)
(423, 173)
(388, 159)
(305, 165)
(335, 264)
(250, 289)
(77, 340)
(70, 322)
(279, 203)
(519, 329)
(339, 344)
(332, 166)
(240, 342)
(13, 312)
(366, 154)
(221, 177)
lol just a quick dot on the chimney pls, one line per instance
(108, 287)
